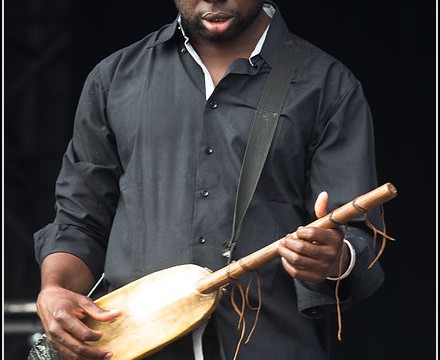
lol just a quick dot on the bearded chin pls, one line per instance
(214, 36)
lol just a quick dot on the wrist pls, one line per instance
(349, 260)
(63, 270)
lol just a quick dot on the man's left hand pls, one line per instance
(313, 254)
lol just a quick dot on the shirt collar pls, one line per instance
(270, 11)
(274, 38)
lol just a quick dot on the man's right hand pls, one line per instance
(62, 308)
(61, 312)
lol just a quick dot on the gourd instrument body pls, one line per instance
(156, 310)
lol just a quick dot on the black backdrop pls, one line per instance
(51, 45)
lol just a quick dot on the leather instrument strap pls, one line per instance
(262, 132)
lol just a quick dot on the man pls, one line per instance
(150, 177)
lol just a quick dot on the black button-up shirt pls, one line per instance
(150, 176)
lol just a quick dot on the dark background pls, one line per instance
(51, 45)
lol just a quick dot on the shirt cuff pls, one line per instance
(56, 238)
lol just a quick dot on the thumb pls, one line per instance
(321, 205)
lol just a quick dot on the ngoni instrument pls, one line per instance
(165, 305)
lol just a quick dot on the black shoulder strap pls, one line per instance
(263, 129)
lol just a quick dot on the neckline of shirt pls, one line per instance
(209, 83)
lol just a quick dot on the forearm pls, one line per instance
(68, 271)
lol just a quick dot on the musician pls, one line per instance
(149, 180)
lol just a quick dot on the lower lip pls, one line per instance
(217, 26)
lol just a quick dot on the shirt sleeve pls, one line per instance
(87, 186)
(343, 164)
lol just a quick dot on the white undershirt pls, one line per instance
(209, 89)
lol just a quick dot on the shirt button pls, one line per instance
(313, 311)
(183, 50)
(209, 150)
(202, 240)
(213, 105)
(204, 193)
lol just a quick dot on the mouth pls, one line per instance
(216, 16)
(217, 21)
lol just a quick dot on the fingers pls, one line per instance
(319, 235)
(97, 312)
(300, 247)
(303, 260)
(310, 254)
(72, 349)
(68, 334)
(301, 274)
(62, 317)
(64, 320)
